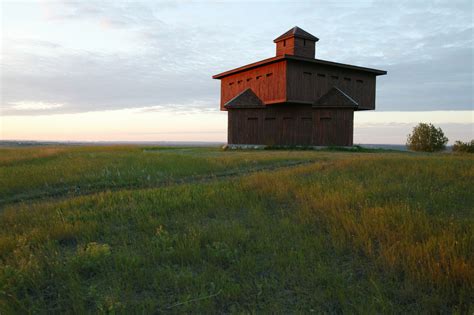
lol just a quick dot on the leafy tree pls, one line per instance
(460, 146)
(426, 137)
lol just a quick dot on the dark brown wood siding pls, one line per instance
(291, 124)
(268, 82)
(333, 126)
(296, 46)
(307, 82)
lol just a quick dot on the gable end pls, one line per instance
(245, 99)
(335, 97)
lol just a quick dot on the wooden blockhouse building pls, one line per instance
(295, 99)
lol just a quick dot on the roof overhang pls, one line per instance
(245, 99)
(337, 64)
(337, 98)
(301, 59)
(296, 32)
(249, 66)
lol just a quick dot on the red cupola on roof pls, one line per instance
(294, 98)
(296, 42)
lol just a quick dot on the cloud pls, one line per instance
(33, 106)
(92, 56)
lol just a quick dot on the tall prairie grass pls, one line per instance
(28, 173)
(346, 233)
(405, 215)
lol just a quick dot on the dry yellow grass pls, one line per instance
(344, 233)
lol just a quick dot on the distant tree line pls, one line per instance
(428, 138)
(460, 146)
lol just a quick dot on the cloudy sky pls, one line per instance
(123, 70)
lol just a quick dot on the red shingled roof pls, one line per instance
(296, 32)
(335, 97)
(245, 99)
(302, 59)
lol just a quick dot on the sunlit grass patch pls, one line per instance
(71, 171)
(343, 233)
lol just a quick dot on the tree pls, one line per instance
(460, 146)
(426, 137)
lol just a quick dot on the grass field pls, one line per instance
(147, 229)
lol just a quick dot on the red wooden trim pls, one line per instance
(282, 100)
(249, 66)
(290, 57)
(337, 64)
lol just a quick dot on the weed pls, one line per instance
(345, 232)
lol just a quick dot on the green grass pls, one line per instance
(30, 173)
(235, 231)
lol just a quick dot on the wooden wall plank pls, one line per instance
(291, 125)
(307, 82)
(268, 82)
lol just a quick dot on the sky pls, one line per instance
(141, 70)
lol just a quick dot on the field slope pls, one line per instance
(132, 229)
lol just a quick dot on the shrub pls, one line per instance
(426, 137)
(460, 146)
